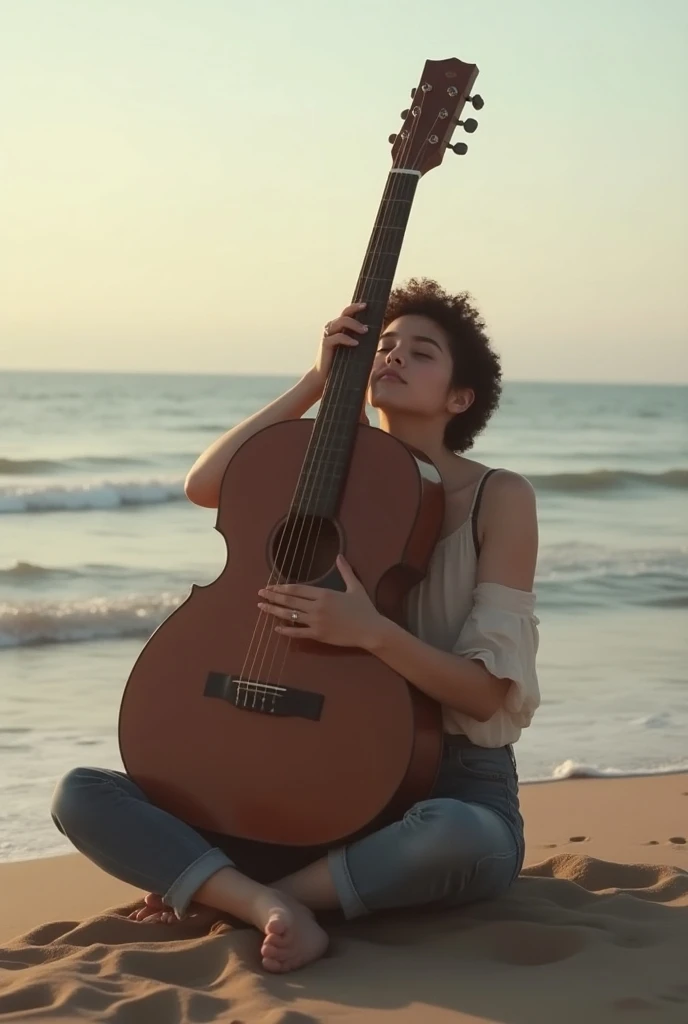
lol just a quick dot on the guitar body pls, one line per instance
(277, 739)
(237, 729)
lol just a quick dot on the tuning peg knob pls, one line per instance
(460, 148)
(392, 139)
(413, 93)
(469, 125)
(405, 113)
(477, 101)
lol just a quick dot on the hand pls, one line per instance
(332, 336)
(347, 619)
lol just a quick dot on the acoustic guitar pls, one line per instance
(236, 729)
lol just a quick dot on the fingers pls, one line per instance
(300, 604)
(354, 308)
(346, 322)
(343, 323)
(335, 330)
(278, 612)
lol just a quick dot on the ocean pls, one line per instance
(98, 544)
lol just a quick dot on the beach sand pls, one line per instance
(595, 929)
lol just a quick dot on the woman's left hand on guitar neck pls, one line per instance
(345, 619)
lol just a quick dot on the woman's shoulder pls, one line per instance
(505, 485)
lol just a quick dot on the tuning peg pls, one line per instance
(477, 101)
(413, 93)
(392, 139)
(460, 148)
(469, 125)
(405, 113)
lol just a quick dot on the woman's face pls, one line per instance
(412, 370)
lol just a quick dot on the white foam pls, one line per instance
(571, 769)
(96, 618)
(95, 495)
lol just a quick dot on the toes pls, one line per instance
(146, 913)
(277, 925)
(274, 965)
(272, 952)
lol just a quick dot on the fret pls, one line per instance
(385, 280)
(394, 254)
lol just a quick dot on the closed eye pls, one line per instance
(418, 355)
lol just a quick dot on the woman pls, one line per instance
(471, 646)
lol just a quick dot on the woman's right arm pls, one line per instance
(203, 481)
(202, 485)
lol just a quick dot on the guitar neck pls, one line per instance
(334, 431)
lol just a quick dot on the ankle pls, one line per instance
(233, 893)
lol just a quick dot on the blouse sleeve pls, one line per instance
(501, 631)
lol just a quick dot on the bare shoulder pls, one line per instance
(507, 486)
(509, 505)
(509, 532)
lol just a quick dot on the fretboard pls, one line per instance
(327, 460)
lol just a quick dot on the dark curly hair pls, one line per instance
(475, 364)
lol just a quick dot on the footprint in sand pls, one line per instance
(678, 840)
(677, 994)
(532, 945)
(571, 839)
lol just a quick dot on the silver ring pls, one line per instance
(294, 616)
(326, 329)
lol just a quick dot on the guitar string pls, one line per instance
(397, 191)
(313, 465)
(345, 357)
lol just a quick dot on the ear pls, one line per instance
(459, 400)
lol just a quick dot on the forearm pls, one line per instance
(460, 683)
(202, 485)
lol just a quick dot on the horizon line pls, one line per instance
(288, 376)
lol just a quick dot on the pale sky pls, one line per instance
(189, 185)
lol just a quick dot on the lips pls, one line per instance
(389, 375)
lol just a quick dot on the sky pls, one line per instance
(190, 185)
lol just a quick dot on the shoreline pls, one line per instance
(577, 773)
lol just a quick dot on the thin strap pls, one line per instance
(475, 508)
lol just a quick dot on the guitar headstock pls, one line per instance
(437, 102)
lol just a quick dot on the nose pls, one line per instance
(395, 356)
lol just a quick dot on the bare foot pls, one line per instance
(293, 938)
(154, 911)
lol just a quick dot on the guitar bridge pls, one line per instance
(264, 698)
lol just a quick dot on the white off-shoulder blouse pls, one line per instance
(488, 622)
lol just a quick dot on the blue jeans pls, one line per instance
(464, 843)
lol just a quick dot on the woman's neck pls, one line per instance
(423, 434)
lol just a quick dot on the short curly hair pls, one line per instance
(475, 364)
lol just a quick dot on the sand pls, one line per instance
(595, 929)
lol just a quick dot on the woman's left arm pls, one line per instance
(508, 553)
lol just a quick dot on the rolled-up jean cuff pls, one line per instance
(179, 894)
(350, 902)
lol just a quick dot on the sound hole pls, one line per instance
(305, 547)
